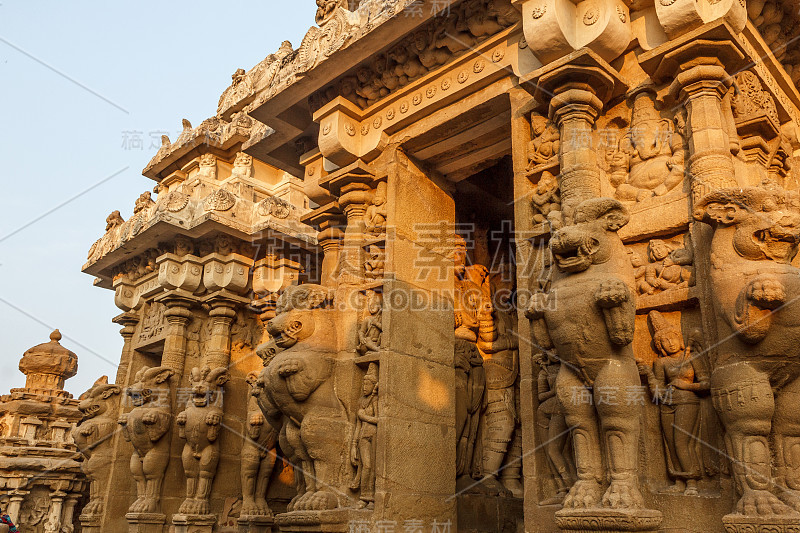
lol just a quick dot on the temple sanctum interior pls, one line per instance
(451, 266)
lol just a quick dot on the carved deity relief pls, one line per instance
(199, 425)
(676, 379)
(371, 327)
(554, 431)
(471, 295)
(668, 266)
(93, 436)
(588, 317)
(755, 379)
(545, 143)
(546, 199)
(650, 160)
(375, 262)
(147, 428)
(376, 213)
(258, 455)
(499, 347)
(364, 444)
(298, 386)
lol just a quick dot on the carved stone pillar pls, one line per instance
(699, 69)
(56, 506)
(218, 351)
(352, 187)
(577, 91)
(128, 321)
(69, 509)
(15, 504)
(178, 316)
(330, 238)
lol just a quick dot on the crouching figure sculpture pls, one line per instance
(755, 381)
(199, 425)
(298, 382)
(588, 318)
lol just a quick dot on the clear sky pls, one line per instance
(80, 82)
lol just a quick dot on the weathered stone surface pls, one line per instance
(539, 274)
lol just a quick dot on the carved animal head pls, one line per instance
(149, 385)
(207, 160)
(765, 223)
(113, 220)
(183, 245)
(243, 160)
(294, 317)
(206, 384)
(99, 399)
(589, 241)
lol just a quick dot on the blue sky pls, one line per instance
(80, 81)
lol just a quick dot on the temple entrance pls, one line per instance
(470, 157)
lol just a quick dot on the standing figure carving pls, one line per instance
(675, 379)
(258, 455)
(363, 447)
(199, 424)
(588, 316)
(93, 438)
(550, 419)
(755, 381)
(469, 302)
(499, 348)
(147, 427)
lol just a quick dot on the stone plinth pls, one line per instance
(608, 520)
(91, 523)
(255, 524)
(194, 523)
(330, 521)
(737, 523)
(145, 522)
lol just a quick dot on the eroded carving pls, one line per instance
(93, 437)
(650, 158)
(756, 376)
(676, 378)
(199, 424)
(594, 282)
(297, 384)
(258, 455)
(364, 444)
(147, 427)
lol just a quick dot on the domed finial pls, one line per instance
(55, 336)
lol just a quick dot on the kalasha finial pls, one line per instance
(55, 336)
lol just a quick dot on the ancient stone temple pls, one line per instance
(477, 265)
(41, 480)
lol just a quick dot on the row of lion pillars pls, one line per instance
(182, 284)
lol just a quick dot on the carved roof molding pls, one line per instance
(338, 30)
(194, 209)
(214, 135)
